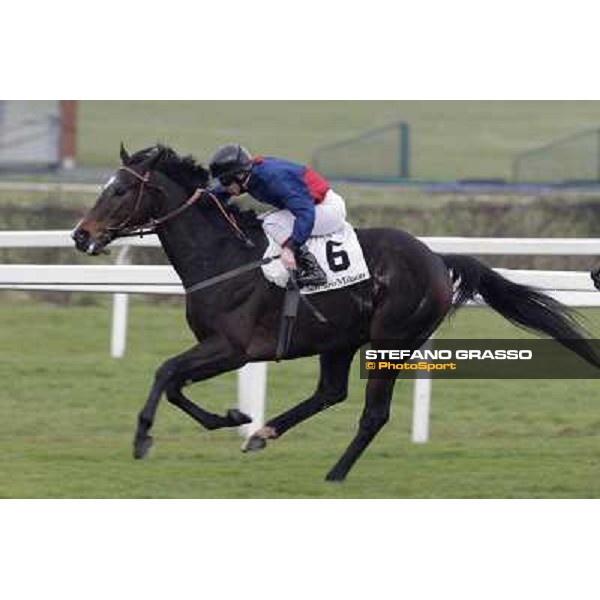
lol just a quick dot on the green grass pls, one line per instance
(68, 413)
(450, 139)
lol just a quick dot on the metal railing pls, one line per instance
(574, 159)
(571, 288)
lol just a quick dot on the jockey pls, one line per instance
(306, 203)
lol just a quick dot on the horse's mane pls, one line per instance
(183, 170)
(190, 175)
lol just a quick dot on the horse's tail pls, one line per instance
(520, 304)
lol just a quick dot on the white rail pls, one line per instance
(22, 186)
(458, 245)
(574, 289)
(61, 239)
(515, 246)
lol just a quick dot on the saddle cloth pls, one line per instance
(339, 254)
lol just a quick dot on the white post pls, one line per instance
(119, 316)
(422, 403)
(252, 390)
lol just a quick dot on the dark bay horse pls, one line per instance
(236, 320)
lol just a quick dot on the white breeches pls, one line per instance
(329, 217)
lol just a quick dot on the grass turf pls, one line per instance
(68, 413)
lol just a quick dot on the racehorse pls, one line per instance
(234, 311)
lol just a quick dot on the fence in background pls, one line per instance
(380, 155)
(574, 289)
(570, 160)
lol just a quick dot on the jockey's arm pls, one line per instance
(300, 203)
(303, 224)
(304, 211)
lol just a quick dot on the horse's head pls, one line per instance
(126, 201)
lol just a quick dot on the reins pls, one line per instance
(229, 218)
(151, 226)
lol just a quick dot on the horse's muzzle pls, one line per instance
(85, 243)
(81, 239)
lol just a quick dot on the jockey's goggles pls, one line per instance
(227, 180)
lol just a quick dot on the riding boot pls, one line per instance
(309, 271)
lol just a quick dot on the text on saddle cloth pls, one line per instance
(339, 254)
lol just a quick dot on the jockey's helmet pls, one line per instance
(228, 162)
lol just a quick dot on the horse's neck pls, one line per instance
(197, 244)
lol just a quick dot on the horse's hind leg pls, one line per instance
(410, 331)
(375, 415)
(209, 358)
(332, 389)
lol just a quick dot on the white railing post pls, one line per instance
(422, 402)
(571, 288)
(252, 391)
(118, 339)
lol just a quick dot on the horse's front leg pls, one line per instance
(332, 389)
(211, 357)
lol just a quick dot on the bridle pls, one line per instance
(122, 229)
(150, 227)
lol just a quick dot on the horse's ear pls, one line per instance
(124, 154)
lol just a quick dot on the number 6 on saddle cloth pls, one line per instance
(339, 255)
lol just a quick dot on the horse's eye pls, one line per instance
(119, 190)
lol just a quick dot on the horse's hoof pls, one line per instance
(237, 417)
(254, 443)
(141, 447)
(333, 478)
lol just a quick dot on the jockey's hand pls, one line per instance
(288, 259)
